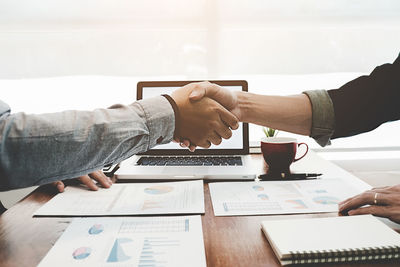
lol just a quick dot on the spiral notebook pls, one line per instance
(333, 239)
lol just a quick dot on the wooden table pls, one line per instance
(229, 241)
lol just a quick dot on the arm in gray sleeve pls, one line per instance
(323, 116)
(38, 149)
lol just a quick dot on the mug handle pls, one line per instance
(298, 145)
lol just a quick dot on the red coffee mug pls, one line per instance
(280, 152)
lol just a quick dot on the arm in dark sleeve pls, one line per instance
(363, 104)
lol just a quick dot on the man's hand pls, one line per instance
(382, 202)
(99, 176)
(204, 121)
(225, 97)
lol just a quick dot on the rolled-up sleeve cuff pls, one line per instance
(323, 116)
(160, 120)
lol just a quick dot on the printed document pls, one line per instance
(129, 241)
(185, 197)
(279, 197)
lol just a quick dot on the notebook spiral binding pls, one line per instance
(362, 254)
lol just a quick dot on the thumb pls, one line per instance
(60, 186)
(197, 94)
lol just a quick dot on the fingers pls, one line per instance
(394, 188)
(381, 211)
(225, 97)
(60, 186)
(224, 132)
(366, 198)
(385, 189)
(192, 148)
(204, 144)
(198, 92)
(379, 188)
(383, 202)
(228, 118)
(215, 139)
(391, 212)
(376, 196)
(100, 177)
(86, 180)
(219, 128)
(184, 143)
(344, 201)
(211, 90)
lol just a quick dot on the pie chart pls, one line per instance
(263, 196)
(96, 229)
(326, 200)
(81, 253)
(258, 188)
(158, 189)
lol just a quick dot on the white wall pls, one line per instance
(200, 39)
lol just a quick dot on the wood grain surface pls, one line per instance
(229, 241)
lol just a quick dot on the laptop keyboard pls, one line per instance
(190, 161)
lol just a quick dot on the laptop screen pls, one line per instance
(237, 144)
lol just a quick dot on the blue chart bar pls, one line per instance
(187, 225)
(155, 251)
(117, 253)
(225, 206)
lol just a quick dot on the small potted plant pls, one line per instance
(269, 132)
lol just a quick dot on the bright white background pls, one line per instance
(196, 38)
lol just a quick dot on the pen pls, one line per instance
(289, 177)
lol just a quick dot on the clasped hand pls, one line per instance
(202, 122)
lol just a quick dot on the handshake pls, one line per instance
(206, 113)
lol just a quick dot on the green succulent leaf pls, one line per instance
(269, 132)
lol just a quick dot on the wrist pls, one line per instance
(242, 108)
(176, 113)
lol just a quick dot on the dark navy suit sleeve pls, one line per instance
(363, 104)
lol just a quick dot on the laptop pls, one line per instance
(228, 161)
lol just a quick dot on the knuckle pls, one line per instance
(196, 86)
(365, 196)
(227, 134)
(214, 108)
